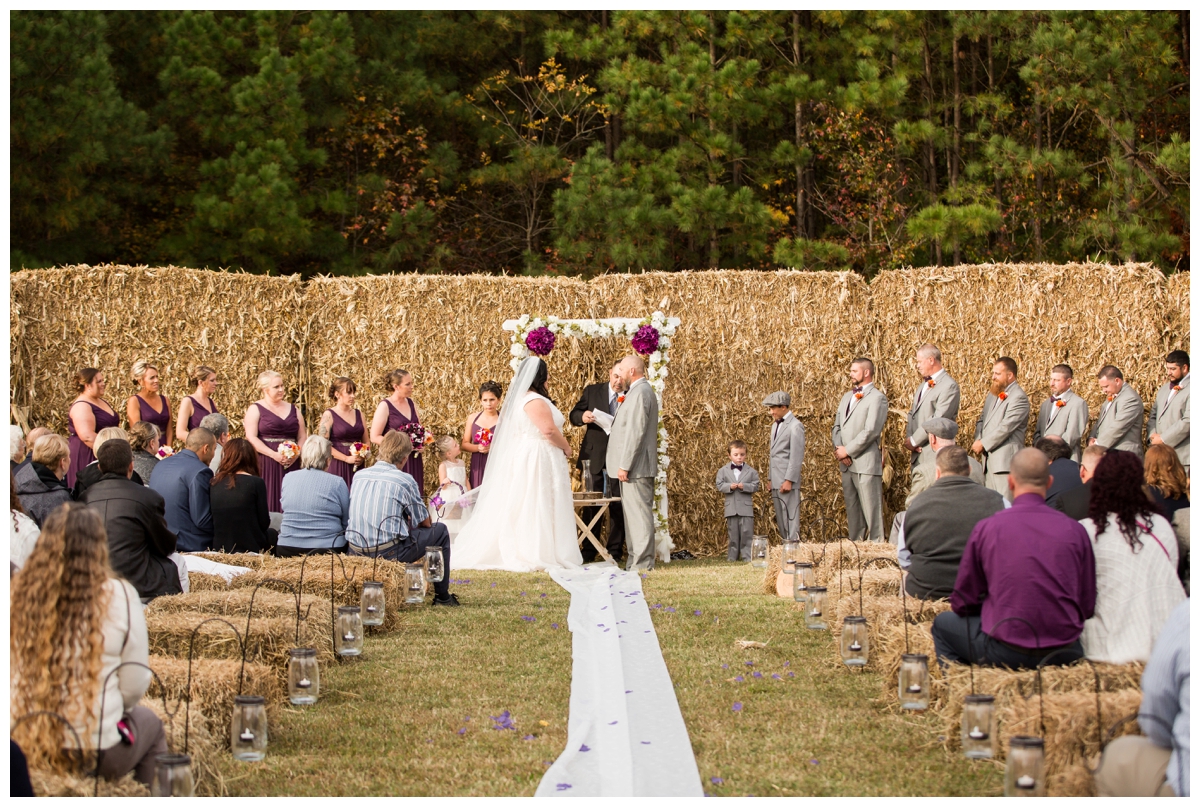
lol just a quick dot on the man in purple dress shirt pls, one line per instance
(1026, 584)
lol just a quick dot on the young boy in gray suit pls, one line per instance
(738, 481)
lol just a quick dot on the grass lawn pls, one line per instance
(413, 716)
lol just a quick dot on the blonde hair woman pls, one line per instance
(195, 407)
(148, 404)
(269, 422)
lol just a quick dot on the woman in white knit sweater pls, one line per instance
(72, 624)
(1136, 558)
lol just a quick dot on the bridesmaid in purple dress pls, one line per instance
(268, 422)
(148, 404)
(83, 422)
(487, 418)
(195, 407)
(395, 412)
(342, 425)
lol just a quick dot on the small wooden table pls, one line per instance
(585, 529)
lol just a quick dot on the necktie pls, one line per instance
(775, 429)
(612, 403)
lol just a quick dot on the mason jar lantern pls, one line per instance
(802, 579)
(854, 641)
(414, 583)
(814, 609)
(304, 677)
(435, 564)
(348, 639)
(758, 551)
(914, 681)
(173, 776)
(374, 603)
(248, 730)
(979, 726)
(791, 554)
(1024, 769)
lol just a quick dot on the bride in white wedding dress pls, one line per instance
(523, 518)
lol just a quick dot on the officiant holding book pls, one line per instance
(603, 398)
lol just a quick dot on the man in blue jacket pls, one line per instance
(185, 483)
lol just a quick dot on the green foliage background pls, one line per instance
(586, 142)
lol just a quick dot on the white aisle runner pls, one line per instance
(625, 735)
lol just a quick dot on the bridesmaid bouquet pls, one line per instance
(419, 435)
(288, 450)
(164, 451)
(359, 450)
(485, 438)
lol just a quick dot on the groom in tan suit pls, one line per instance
(633, 456)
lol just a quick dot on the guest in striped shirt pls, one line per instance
(388, 517)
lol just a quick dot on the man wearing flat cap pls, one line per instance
(787, 455)
(941, 433)
(857, 425)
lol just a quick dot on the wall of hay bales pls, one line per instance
(744, 334)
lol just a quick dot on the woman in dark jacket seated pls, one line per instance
(42, 484)
(241, 522)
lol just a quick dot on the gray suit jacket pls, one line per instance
(859, 433)
(1069, 422)
(633, 441)
(1002, 426)
(738, 502)
(939, 401)
(1172, 420)
(1119, 424)
(787, 452)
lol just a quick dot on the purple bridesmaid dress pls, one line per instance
(343, 435)
(199, 412)
(273, 430)
(160, 419)
(478, 461)
(81, 455)
(415, 466)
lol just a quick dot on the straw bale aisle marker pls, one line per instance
(651, 338)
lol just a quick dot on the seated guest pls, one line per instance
(184, 480)
(940, 521)
(16, 447)
(388, 518)
(42, 484)
(941, 432)
(1167, 479)
(241, 522)
(92, 473)
(31, 439)
(1064, 469)
(139, 542)
(62, 658)
(144, 439)
(1136, 561)
(23, 533)
(1075, 501)
(218, 424)
(316, 505)
(1158, 763)
(1026, 584)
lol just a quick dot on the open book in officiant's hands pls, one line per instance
(603, 420)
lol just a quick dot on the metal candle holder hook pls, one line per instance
(903, 594)
(187, 714)
(349, 578)
(857, 561)
(103, 697)
(1042, 692)
(294, 589)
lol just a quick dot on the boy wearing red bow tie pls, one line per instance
(738, 481)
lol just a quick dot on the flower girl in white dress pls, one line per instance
(444, 505)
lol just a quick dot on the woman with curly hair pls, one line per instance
(1167, 479)
(72, 624)
(1136, 556)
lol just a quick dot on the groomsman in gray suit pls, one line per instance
(1064, 413)
(787, 455)
(937, 396)
(1000, 430)
(1169, 422)
(633, 454)
(1119, 424)
(857, 425)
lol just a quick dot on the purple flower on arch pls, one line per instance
(540, 342)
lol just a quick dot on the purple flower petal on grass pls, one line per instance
(554, 625)
(749, 663)
(738, 678)
(724, 666)
(563, 786)
(493, 585)
(645, 742)
(737, 706)
(670, 610)
(815, 761)
(541, 595)
(629, 692)
(717, 780)
(697, 613)
(777, 676)
(528, 737)
(757, 674)
(463, 730)
(584, 749)
(613, 723)
(787, 664)
(791, 674)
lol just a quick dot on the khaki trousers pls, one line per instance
(1133, 766)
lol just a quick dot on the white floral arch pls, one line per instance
(656, 372)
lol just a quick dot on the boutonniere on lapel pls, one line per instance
(620, 399)
(858, 396)
(1110, 397)
(1060, 403)
(1177, 387)
(1003, 396)
(932, 383)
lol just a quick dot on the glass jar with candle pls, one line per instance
(348, 640)
(173, 776)
(435, 564)
(373, 603)
(758, 551)
(979, 726)
(791, 554)
(914, 681)
(585, 476)
(414, 583)
(1024, 769)
(304, 677)
(814, 609)
(854, 641)
(801, 581)
(248, 729)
